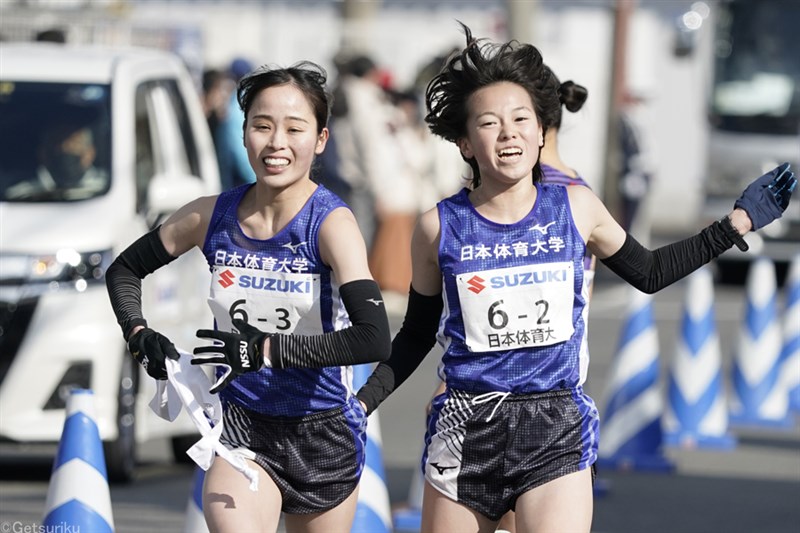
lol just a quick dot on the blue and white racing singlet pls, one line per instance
(278, 285)
(514, 297)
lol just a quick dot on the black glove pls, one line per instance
(766, 198)
(150, 348)
(239, 352)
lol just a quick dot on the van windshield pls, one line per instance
(757, 72)
(56, 141)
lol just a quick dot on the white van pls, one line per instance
(150, 151)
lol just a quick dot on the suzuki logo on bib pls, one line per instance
(476, 284)
(528, 278)
(302, 286)
(226, 279)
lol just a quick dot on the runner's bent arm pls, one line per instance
(418, 332)
(649, 271)
(183, 230)
(368, 338)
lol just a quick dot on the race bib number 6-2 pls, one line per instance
(517, 307)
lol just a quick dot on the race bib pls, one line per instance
(274, 302)
(517, 307)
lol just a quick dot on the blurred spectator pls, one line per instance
(234, 166)
(327, 169)
(445, 171)
(365, 147)
(397, 200)
(66, 164)
(635, 172)
(218, 88)
(52, 35)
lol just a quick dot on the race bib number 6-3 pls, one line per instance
(275, 302)
(517, 307)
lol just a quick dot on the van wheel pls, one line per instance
(179, 446)
(121, 453)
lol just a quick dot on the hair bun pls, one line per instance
(572, 95)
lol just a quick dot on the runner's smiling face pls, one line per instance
(281, 135)
(503, 132)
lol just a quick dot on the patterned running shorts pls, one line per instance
(486, 450)
(315, 460)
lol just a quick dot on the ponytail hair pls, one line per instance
(572, 96)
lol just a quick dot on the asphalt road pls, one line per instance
(753, 488)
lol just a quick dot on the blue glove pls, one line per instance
(766, 198)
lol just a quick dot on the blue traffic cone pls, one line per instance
(759, 393)
(195, 521)
(697, 413)
(373, 511)
(409, 517)
(631, 435)
(791, 333)
(78, 496)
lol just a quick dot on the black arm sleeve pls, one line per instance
(366, 341)
(412, 343)
(124, 278)
(651, 271)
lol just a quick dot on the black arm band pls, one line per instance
(733, 235)
(412, 343)
(124, 278)
(651, 271)
(368, 339)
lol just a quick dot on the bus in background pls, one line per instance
(754, 119)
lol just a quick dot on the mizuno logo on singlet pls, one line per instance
(294, 247)
(442, 469)
(374, 301)
(226, 279)
(542, 229)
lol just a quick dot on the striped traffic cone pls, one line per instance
(373, 511)
(409, 517)
(195, 521)
(78, 496)
(696, 414)
(791, 333)
(631, 436)
(760, 396)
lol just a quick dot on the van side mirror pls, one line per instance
(166, 193)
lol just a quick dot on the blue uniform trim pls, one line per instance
(469, 243)
(295, 248)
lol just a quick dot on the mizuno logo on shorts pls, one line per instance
(442, 469)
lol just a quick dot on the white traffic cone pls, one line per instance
(631, 437)
(791, 333)
(759, 394)
(78, 496)
(195, 520)
(373, 511)
(696, 414)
